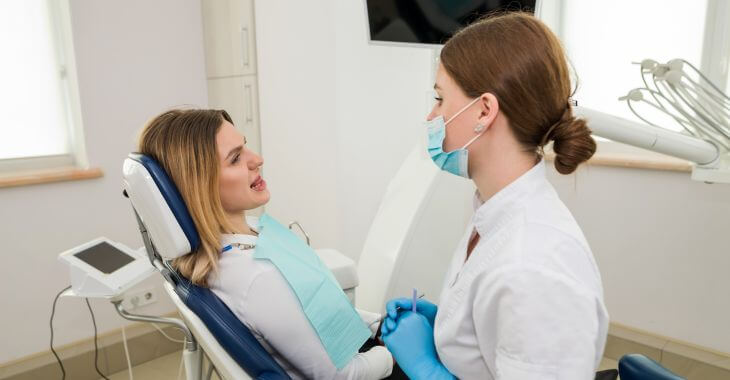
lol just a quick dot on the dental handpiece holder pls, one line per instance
(102, 268)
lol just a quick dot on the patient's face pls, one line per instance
(240, 184)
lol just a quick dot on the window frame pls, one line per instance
(60, 18)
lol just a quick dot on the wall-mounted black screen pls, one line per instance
(430, 21)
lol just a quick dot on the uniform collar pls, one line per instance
(491, 213)
(228, 239)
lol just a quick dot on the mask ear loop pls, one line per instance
(480, 128)
(461, 110)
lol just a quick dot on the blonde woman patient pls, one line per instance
(219, 178)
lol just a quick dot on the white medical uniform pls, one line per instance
(261, 298)
(528, 302)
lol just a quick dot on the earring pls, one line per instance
(479, 128)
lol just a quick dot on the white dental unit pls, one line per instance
(102, 268)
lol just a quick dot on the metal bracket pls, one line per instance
(190, 343)
(295, 223)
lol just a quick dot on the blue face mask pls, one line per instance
(457, 161)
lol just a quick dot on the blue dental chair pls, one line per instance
(637, 367)
(168, 232)
(640, 367)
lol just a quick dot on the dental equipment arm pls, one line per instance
(679, 90)
(652, 138)
(712, 165)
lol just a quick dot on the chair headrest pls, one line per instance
(158, 203)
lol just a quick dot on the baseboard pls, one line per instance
(143, 340)
(684, 359)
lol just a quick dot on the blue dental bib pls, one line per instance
(328, 309)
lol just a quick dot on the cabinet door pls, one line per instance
(238, 96)
(251, 109)
(230, 44)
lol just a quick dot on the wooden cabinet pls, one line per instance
(237, 95)
(230, 44)
(230, 60)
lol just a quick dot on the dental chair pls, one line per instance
(640, 367)
(168, 232)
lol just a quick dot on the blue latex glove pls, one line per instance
(423, 307)
(413, 348)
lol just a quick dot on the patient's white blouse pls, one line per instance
(528, 302)
(261, 298)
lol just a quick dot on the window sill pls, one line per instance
(49, 176)
(629, 161)
(613, 154)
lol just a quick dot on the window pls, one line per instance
(603, 38)
(40, 127)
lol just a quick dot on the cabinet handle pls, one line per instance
(248, 91)
(244, 47)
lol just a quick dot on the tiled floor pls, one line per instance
(607, 363)
(166, 368)
(163, 368)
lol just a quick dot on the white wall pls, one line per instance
(660, 241)
(656, 235)
(381, 102)
(135, 59)
(295, 48)
(337, 115)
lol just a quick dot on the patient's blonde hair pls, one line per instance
(183, 142)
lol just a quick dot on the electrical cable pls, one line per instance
(96, 345)
(53, 312)
(126, 352)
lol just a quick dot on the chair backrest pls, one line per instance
(172, 233)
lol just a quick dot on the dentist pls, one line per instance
(522, 298)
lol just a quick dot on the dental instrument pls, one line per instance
(680, 91)
(413, 305)
(380, 319)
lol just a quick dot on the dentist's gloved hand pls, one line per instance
(413, 348)
(423, 307)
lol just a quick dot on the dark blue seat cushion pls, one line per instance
(639, 367)
(230, 332)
